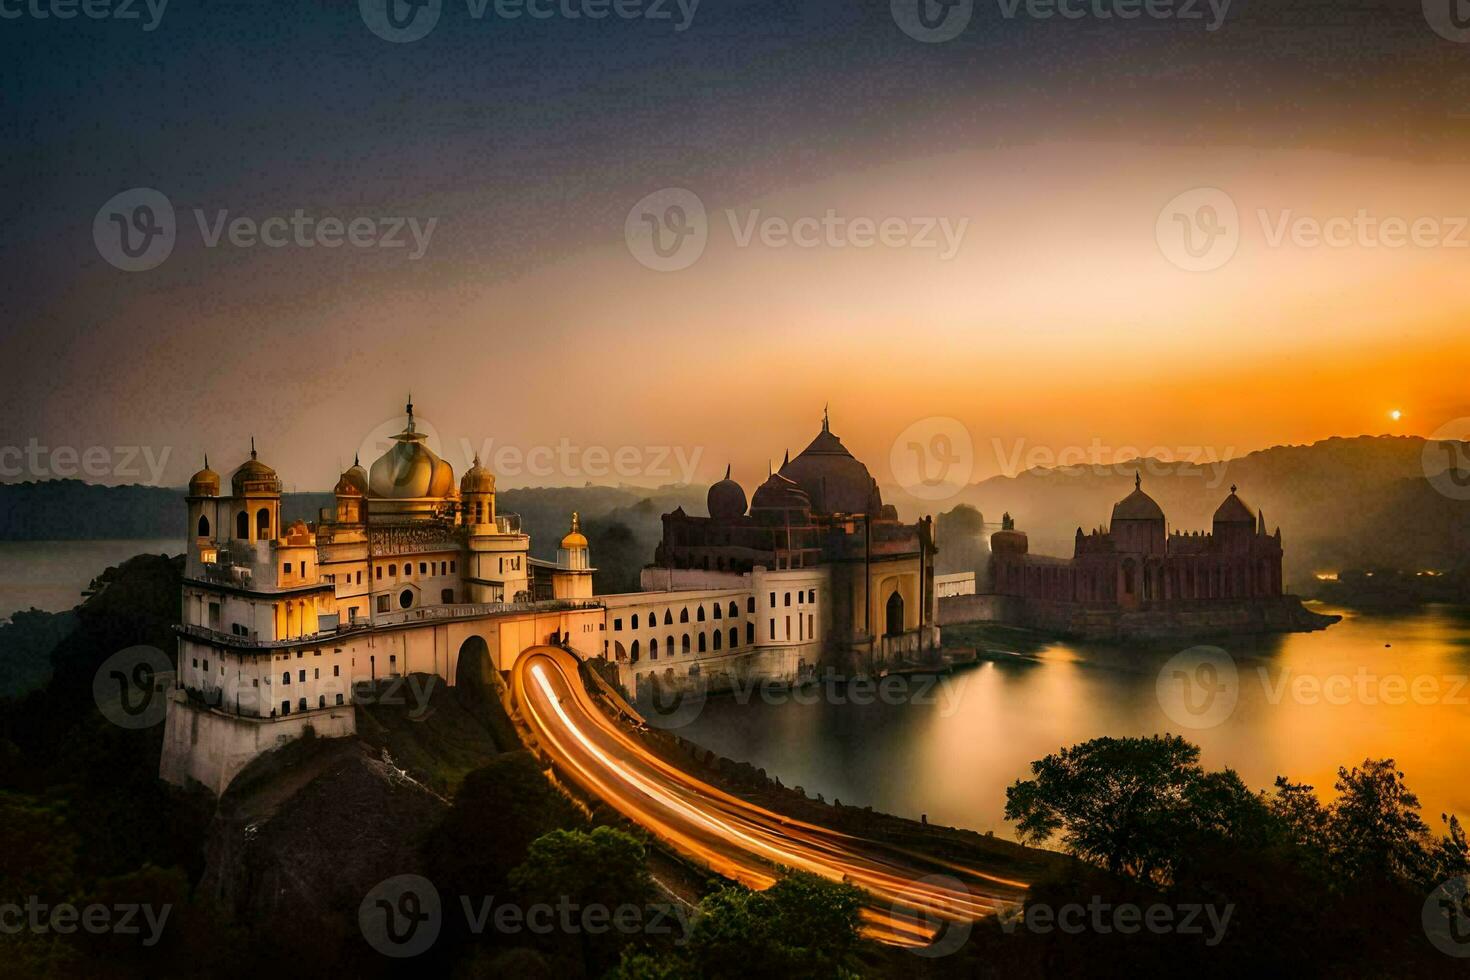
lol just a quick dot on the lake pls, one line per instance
(51, 575)
(1372, 685)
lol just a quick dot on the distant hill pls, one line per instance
(71, 510)
(1340, 503)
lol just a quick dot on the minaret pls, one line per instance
(572, 578)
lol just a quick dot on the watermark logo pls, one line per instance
(1450, 19)
(1104, 918)
(932, 21)
(1446, 917)
(401, 916)
(1446, 459)
(91, 9)
(934, 458)
(400, 21)
(946, 934)
(1199, 687)
(1208, 463)
(64, 918)
(667, 230)
(135, 230)
(42, 462)
(1199, 230)
(131, 687)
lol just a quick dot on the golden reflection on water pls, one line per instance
(1373, 685)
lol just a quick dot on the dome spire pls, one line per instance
(1137, 480)
(826, 422)
(252, 447)
(727, 471)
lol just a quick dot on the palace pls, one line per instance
(1137, 578)
(413, 572)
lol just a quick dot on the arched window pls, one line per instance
(699, 613)
(263, 524)
(242, 525)
(684, 615)
(669, 645)
(718, 614)
(895, 614)
(633, 652)
(734, 611)
(701, 643)
(286, 677)
(203, 526)
(668, 618)
(717, 639)
(653, 649)
(734, 637)
(750, 632)
(684, 645)
(635, 626)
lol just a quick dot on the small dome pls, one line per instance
(205, 483)
(410, 470)
(477, 479)
(834, 480)
(1137, 506)
(253, 476)
(779, 493)
(353, 482)
(726, 499)
(575, 538)
(1233, 510)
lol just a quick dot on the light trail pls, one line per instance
(737, 839)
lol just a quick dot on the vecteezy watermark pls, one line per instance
(137, 229)
(674, 705)
(64, 919)
(1104, 918)
(91, 9)
(933, 21)
(131, 687)
(668, 230)
(944, 923)
(1446, 459)
(933, 458)
(570, 461)
(1446, 917)
(1200, 230)
(1101, 459)
(1198, 688)
(42, 462)
(1449, 19)
(1201, 687)
(403, 916)
(404, 21)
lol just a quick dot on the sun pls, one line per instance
(1395, 415)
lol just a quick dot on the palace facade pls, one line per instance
(412, 572)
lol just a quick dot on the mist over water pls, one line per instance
(1379, 685)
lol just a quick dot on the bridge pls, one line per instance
(911, 896)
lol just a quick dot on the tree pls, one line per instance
(1376, 830)
(1121, 802)
(803, 926)
(606, 869)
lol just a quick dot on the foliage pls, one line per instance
(803, 926)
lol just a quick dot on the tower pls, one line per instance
(572, 578)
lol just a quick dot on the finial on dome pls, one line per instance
(826, 423)
(576, 522)
(727, 471)
(354, 460)
(786, 460)
(410, 411)
(1232, 489)
(252, 447)
(206, 461)
(1137, 480)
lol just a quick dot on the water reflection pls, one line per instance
(1372, 685)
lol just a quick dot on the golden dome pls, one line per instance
(205, 483)
(574, 538)
(253, 476)
(410, 470)
(353, 482)
(477, 479)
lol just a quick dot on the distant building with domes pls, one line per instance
(1136, 577)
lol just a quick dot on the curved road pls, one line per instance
(912, 895)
